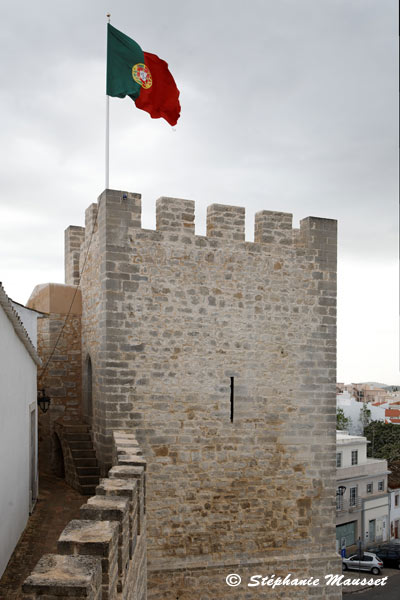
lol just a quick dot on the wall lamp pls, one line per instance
(43, 401)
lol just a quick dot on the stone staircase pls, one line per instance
(83, 465)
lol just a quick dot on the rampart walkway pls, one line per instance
(56, 506)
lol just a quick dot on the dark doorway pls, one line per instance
(58, 457)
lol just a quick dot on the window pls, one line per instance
(339, 500)
(338, 459)
(353, 496)
(354, 457)
(381, 486)
(370, 488)
(396, 500)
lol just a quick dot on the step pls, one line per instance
(75, 436)
(75, 428)
(89, 480)
(85, 462)
(88, 490)
(88, 471)
(80, 445)
(79, 453)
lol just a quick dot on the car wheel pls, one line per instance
(375, 571)
(345, 567)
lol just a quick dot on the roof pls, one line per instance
(19, 328)
(344, 437)
(38, 312)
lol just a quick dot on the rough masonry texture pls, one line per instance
(99, 556)
(62, 376)
(179, 333)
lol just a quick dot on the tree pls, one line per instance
(342, 422)
(385, 440)
(365, 416)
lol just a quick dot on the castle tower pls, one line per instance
(220, 354)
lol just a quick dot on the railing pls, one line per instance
(348, 505)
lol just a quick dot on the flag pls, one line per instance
(142, 76)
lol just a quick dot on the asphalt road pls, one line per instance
(391, 591)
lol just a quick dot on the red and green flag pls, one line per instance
(142, 76)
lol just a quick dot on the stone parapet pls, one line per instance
(112, 509)
(94, 538)
(102, 556)
(175, 215)
(226, 222)
(57, 576)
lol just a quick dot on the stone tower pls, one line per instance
(220, 354)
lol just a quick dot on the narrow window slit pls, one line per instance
(232, 396)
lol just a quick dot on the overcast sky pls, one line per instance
(287, 105)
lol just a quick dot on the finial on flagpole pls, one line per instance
(108, 17)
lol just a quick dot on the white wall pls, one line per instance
(378, 510)
(345, 444)
(29, 319)
(352, 409)
(17, 393)
(394, 510)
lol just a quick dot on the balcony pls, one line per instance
(348, 506)
(372, 468)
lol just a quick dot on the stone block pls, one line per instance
(94, 538)
(126, 489)
(175, 214)
(57, 576)
(137, 473)
(272, 227)
(109, 508)
(132, 459)
(226, 222)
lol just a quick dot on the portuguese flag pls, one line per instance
(142, 76)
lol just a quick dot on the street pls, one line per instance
(391, 591)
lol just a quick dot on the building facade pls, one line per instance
(362, 508)
(18, 425)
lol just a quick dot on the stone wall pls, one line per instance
(102, 555)
(73, 239)
(62, 376)
(179, 325)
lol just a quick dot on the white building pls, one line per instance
(395, 514)
(352, 409)
(362, 500)
(394, 490)
(18, 426)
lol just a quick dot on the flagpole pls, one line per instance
(107, 132)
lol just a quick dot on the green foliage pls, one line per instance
(365, 415)
(342, 422)
(385, 440)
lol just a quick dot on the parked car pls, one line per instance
(389, 555)
(368, 562)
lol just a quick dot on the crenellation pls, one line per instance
(100, 508)
(91, 224)
(57, 576)
(226, 222)
(175, 215)
(94, 538)
(273, 227)
(73, 239)
(320, 235)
